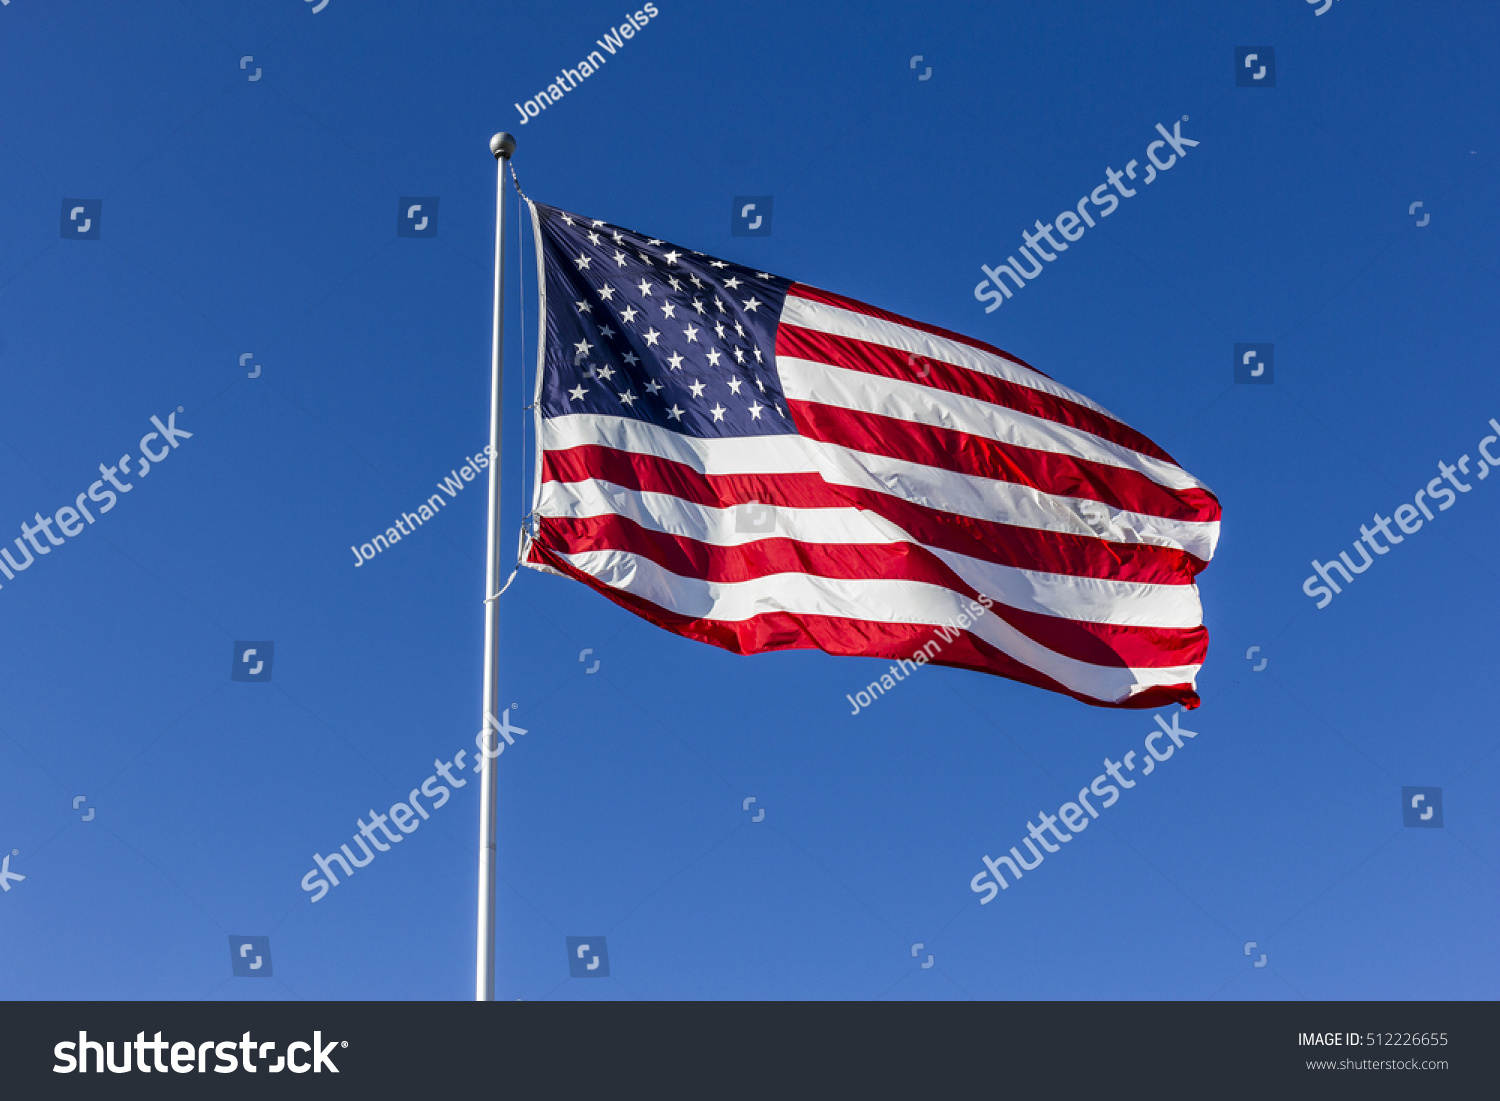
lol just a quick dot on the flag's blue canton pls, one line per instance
(640, 328)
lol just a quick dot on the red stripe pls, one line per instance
(981, 457)
(987, 540)
(1095, 643)
(853, 638)
(828, 298)
(887, 362)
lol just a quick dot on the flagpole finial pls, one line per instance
(502, 145)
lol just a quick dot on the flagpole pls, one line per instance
(502, 145)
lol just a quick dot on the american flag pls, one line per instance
(762, 465)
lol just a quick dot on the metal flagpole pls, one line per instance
(502, 145)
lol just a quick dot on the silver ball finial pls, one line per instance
(502, 145)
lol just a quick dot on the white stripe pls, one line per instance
(837, 321)
(960, 494)
(878, 601)
(1010, 502)
(782, 454)
(826, 384)
(1089, 599)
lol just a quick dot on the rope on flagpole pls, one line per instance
(528, 521)
(516, 180)
(525, 408)
(521, 272)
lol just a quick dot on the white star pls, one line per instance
(731, 282)
(619, 258)
(628, 397)
(597, 223)
(763, 274)
(675, 412)
(756, 349)
(719, 305)
(691, 332)
(652, 336)
(718, 411)
(653, 386)
(752, 305)
(593, 237)
(738, 329)
(606, 292)
(755, 408)
(676, 361)
(698, 304)
(694, 280)
(780, 410)
(696, 388)
(606, 372)
(583, 307)
(713, 358)
(646, 257)
(627, 315)
(654, 241)
(567, 219)
(582, 261)
(645, 288)
(618, 239)
(632, 359)
(676, 283)
(671, 257)
(760, 385)
(718, 264)
(582, 347)
(576, 394)
(607, 333)
(739, 355)
(719, 328)
(667, 309)
(734, 386)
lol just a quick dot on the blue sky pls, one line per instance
(257, 217)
